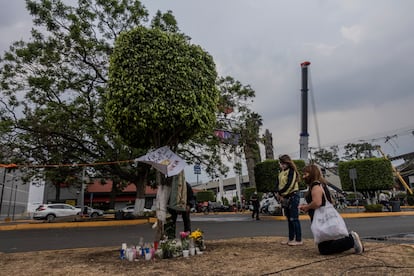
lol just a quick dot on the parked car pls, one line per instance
(56, 210)
(92, 212)
(128, 209)
(131, 209)
(128, 212)
(218, 207)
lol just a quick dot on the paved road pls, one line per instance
(214, 227)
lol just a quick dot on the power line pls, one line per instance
(69, 165)
(386, 137)
(314, 111)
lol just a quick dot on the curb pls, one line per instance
(26, 225)
(45, 225)
(352, 215)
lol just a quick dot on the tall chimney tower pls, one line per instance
(304, 135)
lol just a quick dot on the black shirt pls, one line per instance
(308, 196)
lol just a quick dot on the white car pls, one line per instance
(92, 212)
(56, 210)
(131, 209)
(128, 209)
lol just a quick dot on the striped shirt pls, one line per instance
(288, 182)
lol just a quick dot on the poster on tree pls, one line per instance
(164, 160)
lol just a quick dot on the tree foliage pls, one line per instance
(52, 86)
(236, 117)
(162, 88)
(267, 175)
(203, 196)
(213, 151)
(359, 151)
(373, 174)
(325, 157)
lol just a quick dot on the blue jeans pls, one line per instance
(292, 215)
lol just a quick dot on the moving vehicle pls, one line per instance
(49, 212)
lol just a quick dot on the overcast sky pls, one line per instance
(361, 54)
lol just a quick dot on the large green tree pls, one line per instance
(52, 86)
(51, 105)
(162, 88)
(162, 91)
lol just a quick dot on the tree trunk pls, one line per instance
(140, 199)
(250, 163)
(112, 195)
(57, 194)
(268, 142)
(163, 194)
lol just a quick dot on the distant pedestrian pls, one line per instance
(288, 195)
(384, 200)
(256, 204)
(316, 197)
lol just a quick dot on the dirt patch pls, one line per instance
(241, 256)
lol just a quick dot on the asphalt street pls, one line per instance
(214, 227)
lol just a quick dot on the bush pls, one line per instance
(373, 208)
(410, 200)
(203, 196)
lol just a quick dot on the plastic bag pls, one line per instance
(328, 224)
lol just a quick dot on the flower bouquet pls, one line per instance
(170, 248)
(185, 240)
(198, 239)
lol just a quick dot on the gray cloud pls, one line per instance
(361, 54)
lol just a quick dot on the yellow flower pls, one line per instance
(197, 234)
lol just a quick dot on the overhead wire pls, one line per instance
(315, 118)
(69, 165)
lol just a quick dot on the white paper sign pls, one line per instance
(164, 160)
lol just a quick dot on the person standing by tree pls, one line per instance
(186, 213)
(288, 195)
(256, 204)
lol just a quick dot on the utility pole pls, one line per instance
(304, 135)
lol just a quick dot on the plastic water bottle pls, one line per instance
(122, 251)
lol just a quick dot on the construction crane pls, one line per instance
(397, 173)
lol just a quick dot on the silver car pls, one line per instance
(92, 212)
(49, 212)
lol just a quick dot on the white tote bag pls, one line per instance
(328, 224)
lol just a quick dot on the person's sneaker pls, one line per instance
(285, 242)
(295, 243)
(358, 246)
